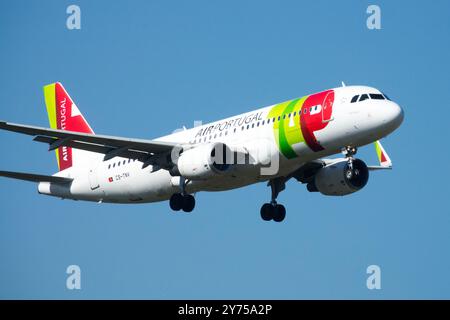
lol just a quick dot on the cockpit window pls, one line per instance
(366, 96)
(384, 94)
(363, 97)
(376, 96)
(354, 99)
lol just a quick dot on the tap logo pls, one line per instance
(315, 116)
(296, 121)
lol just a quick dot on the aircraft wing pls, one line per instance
(34, 177)
(111, 146)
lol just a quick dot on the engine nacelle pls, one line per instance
(338, 179)
(204, 161)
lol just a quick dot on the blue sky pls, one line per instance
(144, 68)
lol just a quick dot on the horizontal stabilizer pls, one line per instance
(34, 177)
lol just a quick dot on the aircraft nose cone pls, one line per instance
(394, 115)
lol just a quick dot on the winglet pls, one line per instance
(383, 157)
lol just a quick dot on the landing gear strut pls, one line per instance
(349, 152)
(182, 200)
(273, 210)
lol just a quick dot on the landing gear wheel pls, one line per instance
(273, 211)
(279, 213)
(267, 211)
(188, 203)
(184, 202)
(349, 174)
(176, 202)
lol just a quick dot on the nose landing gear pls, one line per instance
(349, 152)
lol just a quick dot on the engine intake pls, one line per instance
(338, 179)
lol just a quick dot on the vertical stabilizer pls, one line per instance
(63, 114)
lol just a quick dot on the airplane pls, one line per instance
(273, 144)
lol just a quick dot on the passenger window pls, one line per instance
(363, 97)
(354, 99)
(376, 96)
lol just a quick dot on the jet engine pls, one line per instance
(204, 161)
(339, 179)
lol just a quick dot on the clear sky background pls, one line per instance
(144, 68)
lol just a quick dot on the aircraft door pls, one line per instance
(327, 107)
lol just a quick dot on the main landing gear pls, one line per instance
(182, 201)
(273, 210)
(179, 201)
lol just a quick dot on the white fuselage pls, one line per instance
(123, 180)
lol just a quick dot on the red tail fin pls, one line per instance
(63, 114)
